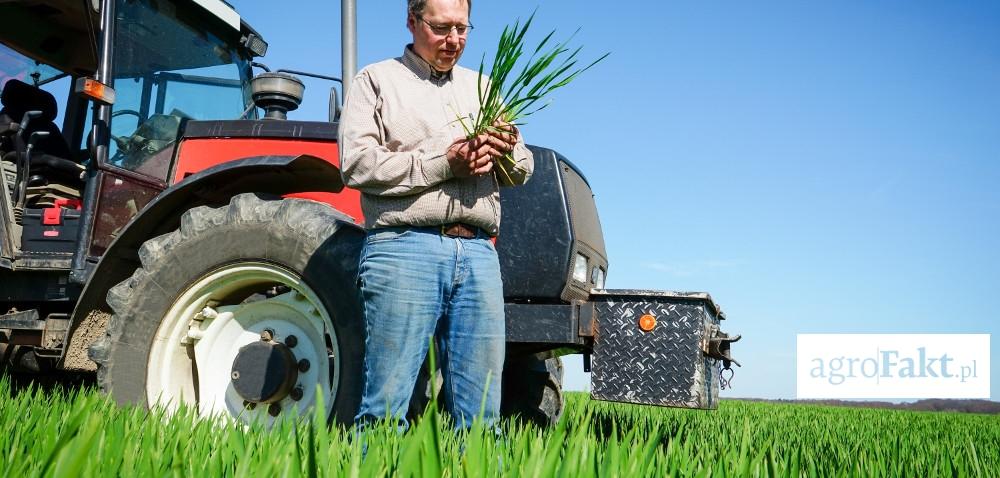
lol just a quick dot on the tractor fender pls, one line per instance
(272, 175)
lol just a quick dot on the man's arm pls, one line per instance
(369, 166)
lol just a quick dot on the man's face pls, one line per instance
(441, 51)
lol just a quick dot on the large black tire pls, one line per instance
(532, 388)
(421, 396)
(311, 241)
(22, 359)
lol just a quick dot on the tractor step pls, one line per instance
(26, 328)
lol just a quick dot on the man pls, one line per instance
(431, 203)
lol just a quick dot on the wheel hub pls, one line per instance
(264, 371)
(279, 347)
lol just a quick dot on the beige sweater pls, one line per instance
(398, 121)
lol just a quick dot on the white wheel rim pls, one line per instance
(202, 324)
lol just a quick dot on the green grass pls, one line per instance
(510, 97)
(80, 433)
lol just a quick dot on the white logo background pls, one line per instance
(892, 366)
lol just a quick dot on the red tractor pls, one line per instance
(163, 223)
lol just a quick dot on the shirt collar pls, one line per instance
(421, 68)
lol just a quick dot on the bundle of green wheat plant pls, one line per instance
(509, 98)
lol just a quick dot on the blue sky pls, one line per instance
(817, 167)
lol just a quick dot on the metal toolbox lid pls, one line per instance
(611, 294)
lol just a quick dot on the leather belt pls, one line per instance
(458, 229)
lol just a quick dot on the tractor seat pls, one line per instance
(50, 157)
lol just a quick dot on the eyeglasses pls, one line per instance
(445, 30)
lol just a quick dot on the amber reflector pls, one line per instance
(95, 90)
(647, 323)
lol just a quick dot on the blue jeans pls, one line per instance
(416, 283)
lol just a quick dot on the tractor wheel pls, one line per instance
(248, 310)
(422, 393)
(532, 388)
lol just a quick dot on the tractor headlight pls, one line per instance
(597, 277)
(580, 268)
(255, 44)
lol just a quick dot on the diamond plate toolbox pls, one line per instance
(651, 348)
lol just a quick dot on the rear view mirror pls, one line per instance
(334, 105)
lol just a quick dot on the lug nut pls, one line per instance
(235, 375)
(247, 404)
(267, 335)
(274, 410)
(303, 365)
(291, 341)
(296, 393)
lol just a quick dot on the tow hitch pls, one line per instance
(719, 347)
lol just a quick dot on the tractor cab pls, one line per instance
(91, 116)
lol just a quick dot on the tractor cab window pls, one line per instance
(15, 66)
(34, 95)
(171, 64)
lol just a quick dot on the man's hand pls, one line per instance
(477, 156)
(503, 136)
(472, 157)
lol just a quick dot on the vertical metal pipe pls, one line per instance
(107, 41)
(348, 41)
(100, 136)
(105, 74)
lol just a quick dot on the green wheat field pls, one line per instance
(80, 433)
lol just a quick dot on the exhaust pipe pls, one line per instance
(348, 42)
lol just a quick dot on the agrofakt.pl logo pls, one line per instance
(892, 366)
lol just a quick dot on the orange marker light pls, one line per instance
(95, 90)
(647, 323)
